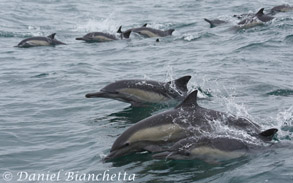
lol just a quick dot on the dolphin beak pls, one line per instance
(96, 95)
(79, 38)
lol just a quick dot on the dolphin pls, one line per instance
(215, 22)
(148, 32)
(281, 8)
(208, 149)
(188, 119)
(102, 37)
(39, 41)
(258, 16)
(141, 92)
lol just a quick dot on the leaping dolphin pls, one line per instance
(141, 92)
(186, 120)
(39, 41)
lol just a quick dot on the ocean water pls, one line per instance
(48, 127)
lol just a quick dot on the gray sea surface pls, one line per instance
(47, 126)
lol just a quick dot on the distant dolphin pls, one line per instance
(102, 37)
(141, 92)
(215, 22)
(209, 149)
(258, 19)
(281, 8)
(148, 32)
(186, 120)
(39, 41)
(259, 15)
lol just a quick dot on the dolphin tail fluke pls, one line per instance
(269, 134)
(210, 22)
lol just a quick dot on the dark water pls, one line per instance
(48, 126)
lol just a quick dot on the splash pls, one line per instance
(285, 123)
(108, 25)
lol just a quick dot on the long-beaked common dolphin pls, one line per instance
(148, 32)
(39, 41)
(257, 19)
(186, 120)
(102, 37)
(281, 8)
(209, 149)
(142, 92)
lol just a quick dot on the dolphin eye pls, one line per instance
(126, 144)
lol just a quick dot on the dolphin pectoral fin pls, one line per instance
(161, 155)
(269, 134)
(52, 36)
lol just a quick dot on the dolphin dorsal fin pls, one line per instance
(181, 83)
(144, 25)
(119, 30)
(126, 34)
(269, 134)
(260, 12)
(210, 22)
(52, 36)
(190, 100)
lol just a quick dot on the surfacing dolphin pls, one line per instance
(281, 8)
(142, 92)
(259, 15)
(258, 19)
(209, 149)
(102, 37)
(39, 41)
(188, 119)
(148, 32)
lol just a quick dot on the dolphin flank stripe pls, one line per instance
(158, 133)
(144, 95)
